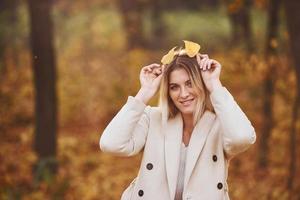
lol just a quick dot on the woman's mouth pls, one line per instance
(186, 102)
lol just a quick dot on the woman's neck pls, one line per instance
(188, 123)
(188, 127)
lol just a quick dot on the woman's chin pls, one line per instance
(187, 111)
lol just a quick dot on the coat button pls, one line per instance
(220, 186)
(141, 193)
(215, 158)
(149, 166)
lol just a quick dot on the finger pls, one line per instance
(157, 80)
(209, 63)
(163, 68)
(157, 67)
(146, 69)
(150, 67)
(154, 65)
(216, 63)
(203, 56)
(204, 65)
(157, 71)
(202, 62)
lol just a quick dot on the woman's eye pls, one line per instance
(173, 87)
(189, 84)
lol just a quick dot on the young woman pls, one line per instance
(188, 139)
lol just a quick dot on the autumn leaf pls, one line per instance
(167, 59)
(191, 48)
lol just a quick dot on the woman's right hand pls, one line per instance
(150, 77)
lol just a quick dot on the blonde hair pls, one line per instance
(168, 108)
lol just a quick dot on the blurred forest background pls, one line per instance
(66, 68)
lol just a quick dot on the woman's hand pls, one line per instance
(150, 77)
(210, 71)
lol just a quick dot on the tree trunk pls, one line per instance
(268, 103)
(8, 18)
(239, 17)
(158, 35)
(133, 25)
(44, 69)
(269, 82)
(292, 8)
(246, 26)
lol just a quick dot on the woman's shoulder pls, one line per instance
(153, 113)
(139, 106)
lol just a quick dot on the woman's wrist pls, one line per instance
(215, 85)
(144, 95)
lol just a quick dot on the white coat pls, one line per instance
(216, 138)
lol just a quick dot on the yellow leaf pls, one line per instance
(191, 48)
(168, 58)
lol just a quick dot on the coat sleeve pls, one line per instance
(126, 134)
(238, 133)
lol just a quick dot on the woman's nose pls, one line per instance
(184, 93)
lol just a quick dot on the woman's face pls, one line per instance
(181, 91)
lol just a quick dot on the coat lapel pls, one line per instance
(197, 142)
(173, 130)
(173, 137)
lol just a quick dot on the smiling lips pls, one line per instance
(186, 102)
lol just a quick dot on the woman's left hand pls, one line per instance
(210, 71)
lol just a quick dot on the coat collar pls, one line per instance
(173, 130)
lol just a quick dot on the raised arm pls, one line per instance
(126, 134)
(238, 133)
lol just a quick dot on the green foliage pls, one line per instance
(209, 28)
(44, 170)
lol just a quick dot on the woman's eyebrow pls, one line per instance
(177, 83)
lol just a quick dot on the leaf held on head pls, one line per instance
(168, 58)
(191, 48)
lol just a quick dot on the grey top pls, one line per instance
(180, 179)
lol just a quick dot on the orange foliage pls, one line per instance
(95, 76)
(88, 98)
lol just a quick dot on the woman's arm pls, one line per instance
(126, 134)
(238, 133)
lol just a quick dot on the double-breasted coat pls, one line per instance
(216, 138)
